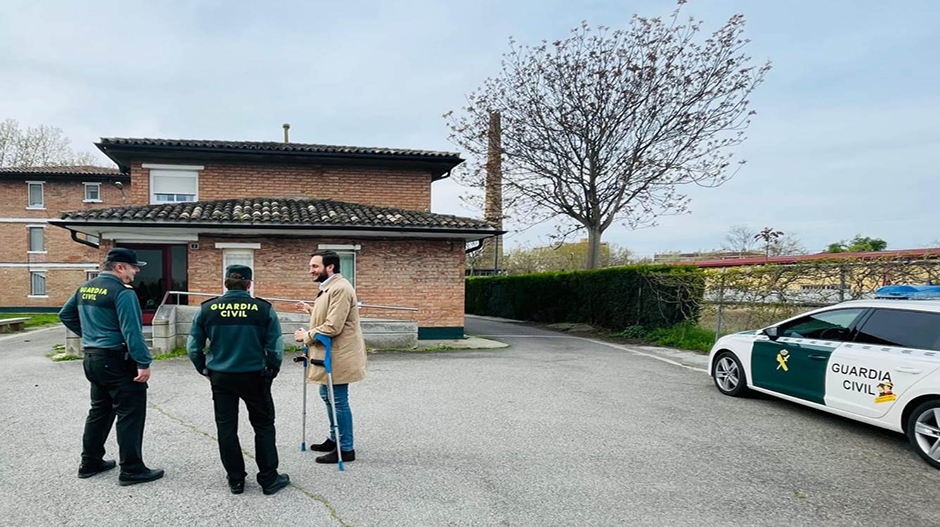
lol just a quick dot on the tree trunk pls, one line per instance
(594, 248)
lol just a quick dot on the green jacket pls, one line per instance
(105, 312)
(244, 335)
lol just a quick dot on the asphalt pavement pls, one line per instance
(554, 430)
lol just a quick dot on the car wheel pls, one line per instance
(923, 429)
(729, 375)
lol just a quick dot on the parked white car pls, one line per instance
(875, 361)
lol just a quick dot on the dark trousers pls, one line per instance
(227, 389)
(114, 394)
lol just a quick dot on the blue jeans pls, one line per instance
(343, 414)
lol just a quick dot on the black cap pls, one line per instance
(122, 255)
(242, 272)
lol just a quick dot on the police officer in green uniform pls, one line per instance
(244, 356)
(105, 312)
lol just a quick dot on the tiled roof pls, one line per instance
(271, 147)
(79, 170)
(279, 212)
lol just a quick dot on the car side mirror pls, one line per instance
(773, 333)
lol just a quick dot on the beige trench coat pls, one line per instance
(336, 314)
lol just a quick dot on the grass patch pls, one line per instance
(63, 357)
(685, 336)
(178, 352)
(35, 319)
(58, 354)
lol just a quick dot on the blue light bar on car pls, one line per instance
(909, 292)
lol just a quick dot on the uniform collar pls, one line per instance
(237, 292)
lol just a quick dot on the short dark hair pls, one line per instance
(239, 284)
(329, 258)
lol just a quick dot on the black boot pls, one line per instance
(278, 484)
(134, 478)
(237, 486)
(327, 446)
(348, 455)
(92, 470)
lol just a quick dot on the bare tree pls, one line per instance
(786, 245)
(740, 239)
(37, 146)
(605, 125)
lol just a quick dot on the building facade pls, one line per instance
(195, 207)
(41, 265)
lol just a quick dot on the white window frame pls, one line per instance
(344, 250)
(29, 239)
(155, 169)
(250, 251)
(90, 272)
(42, 194)
(32, 293)
(88, 185)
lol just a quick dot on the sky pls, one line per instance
(844, 142)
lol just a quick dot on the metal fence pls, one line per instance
(748, 297)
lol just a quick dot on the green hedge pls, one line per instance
(651, 296)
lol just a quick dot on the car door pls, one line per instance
(893, 349)
(795, 363)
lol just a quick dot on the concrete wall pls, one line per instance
(171, 326)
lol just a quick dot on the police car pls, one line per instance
(875, 361)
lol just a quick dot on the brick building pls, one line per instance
(40, 265)
(195, 207)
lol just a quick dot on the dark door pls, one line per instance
(166, 270)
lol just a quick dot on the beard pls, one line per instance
(320, 277)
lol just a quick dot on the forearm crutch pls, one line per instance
(303, 419)
(327, 364)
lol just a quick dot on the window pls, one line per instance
(35, 195)
(37, 281)
(820, 287)
(906, 329)
(827, 325)
(36, 241)
(173, 186)
(91, 275)
(92, 192)
(91, 238)
(347, 266)
(244, 257)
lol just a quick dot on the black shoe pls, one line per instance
(348, 455)
(279, 483)
(237, 486)
(89, 471)
(126, 479)
(327, 446)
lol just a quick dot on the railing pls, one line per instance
(272, 299)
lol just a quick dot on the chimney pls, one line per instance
(493, 200)
(287, 132)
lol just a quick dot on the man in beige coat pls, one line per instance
(335, 313)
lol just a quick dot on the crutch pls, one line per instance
(327, 364)
(303, 420)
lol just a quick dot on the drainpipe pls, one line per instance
(81, 241)
(478, 246)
